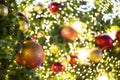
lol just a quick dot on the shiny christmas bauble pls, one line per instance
(69, 33)
(22, 16)
(95, 55)
(31, 56)
(54, 7)
(57, 67)
(3, 10)
(104, 41)
(73, 60)
(118, 35)
(23, 26)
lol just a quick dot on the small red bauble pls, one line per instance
(104, 41)
(54, 7)
(118, 35)
(34, 38)
(32, 55)
(69, 33)
(73, 60)
(57, 67)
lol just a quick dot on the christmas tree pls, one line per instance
(59, 40)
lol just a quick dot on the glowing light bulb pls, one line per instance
(77, 25)
(103, 77)
(83, 55)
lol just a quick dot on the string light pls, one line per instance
(88, 7)
(83, 53)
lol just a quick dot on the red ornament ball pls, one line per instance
(57, 67)
(104, 41)
(118, 35)
(31, 56)
(73, 61)
(69, 33)
(54, 7)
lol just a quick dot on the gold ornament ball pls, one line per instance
(95, 55)
(31, 56)
(23, 26)
(3, 10)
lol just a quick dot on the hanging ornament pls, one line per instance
(69, 33)
(73, 60)
(22, 16)
(104, 41)
(118, 35)
(23, 26)
(95, 55)
(24, 22)
(54, 7)
(31, 56)
(3, 10)
(57, 67)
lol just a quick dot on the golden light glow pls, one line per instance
(112, 31)
(103, 77)
(77, 25)
(83, 55)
